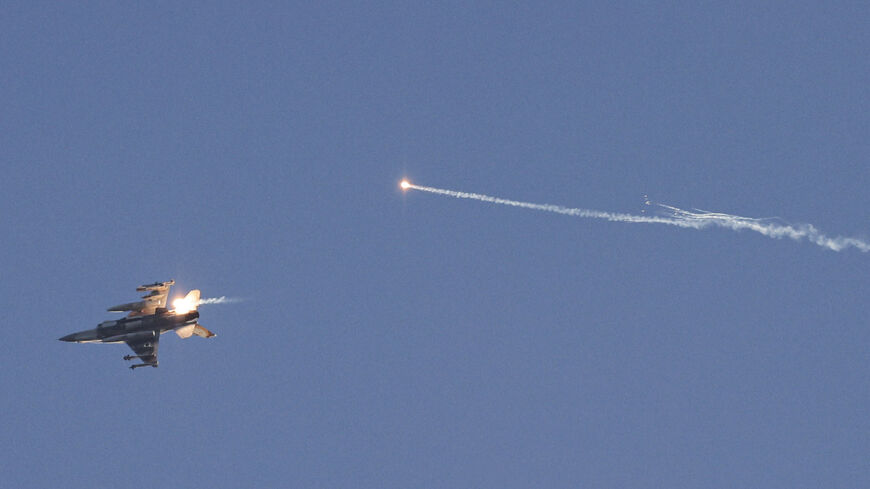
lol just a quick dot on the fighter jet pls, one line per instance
(148, 319)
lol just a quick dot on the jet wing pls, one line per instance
(145, 347)
(155, 298)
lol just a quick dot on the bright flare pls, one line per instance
(183, 306)
(405, 185)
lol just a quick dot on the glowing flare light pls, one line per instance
(183, 305)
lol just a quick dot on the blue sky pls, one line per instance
(414, 340)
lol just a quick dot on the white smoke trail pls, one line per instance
(218, 300)
(679, 217)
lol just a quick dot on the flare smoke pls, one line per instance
(679, 218)
(218, 300)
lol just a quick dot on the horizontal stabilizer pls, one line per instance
(185, 331)
(193, 329)
(200, 331)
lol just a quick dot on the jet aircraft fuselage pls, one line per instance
(136, 327)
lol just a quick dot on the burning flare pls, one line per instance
(190, 302)
(187, 304)
(183, 306)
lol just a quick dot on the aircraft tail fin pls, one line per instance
(192, 298)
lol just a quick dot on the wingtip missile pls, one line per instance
(155, 285)
(134, 367)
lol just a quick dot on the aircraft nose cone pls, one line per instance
(69, 337)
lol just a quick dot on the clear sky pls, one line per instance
(396, 340)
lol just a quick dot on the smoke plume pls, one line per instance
(674, 216)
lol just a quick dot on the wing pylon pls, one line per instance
(145, 347)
